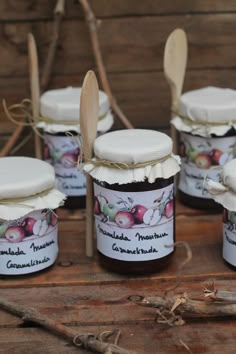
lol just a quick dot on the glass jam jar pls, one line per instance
(59, 119)
(134, 201)
(28, 224)
(224, 193)
(207, 140)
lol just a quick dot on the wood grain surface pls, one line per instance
(77, 292)
(132, 36)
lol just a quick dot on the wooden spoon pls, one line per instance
(89, 105)
(34, 88)
(175, 61)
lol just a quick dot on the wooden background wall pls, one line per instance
(132, 35)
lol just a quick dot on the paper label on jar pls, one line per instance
(201, 157)
(134, 226)
(28, 244)
(229, 237)
(62, 153)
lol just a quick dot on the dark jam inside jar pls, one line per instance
(126, 223)
(62, 151)
(209, 158)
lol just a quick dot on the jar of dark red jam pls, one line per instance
(207, 140)
(134, 201)
(224, 193)
(59, 119)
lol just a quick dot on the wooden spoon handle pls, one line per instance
(175, 60)
(89, 245)
(34, 88)
(88, 125)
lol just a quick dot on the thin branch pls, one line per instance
(186, 307)
(21, 143)
(213, 294)
(92, 24)
(11, 141)
(83, 340)
(47, 69)
(46, 74)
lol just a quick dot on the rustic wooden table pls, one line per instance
(79, 293)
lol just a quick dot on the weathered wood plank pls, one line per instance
(145, 338)
(107, 308)
(42, 9)
(98, 305)
(136, 44)
(144, 97)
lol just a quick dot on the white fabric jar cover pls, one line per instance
(224, 191)
(26, 184)
(149, 149)
(63, 105)
(206, 111)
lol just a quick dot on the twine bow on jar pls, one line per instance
(22, 114)
(123, 165)
(25, 109)
(20, 201)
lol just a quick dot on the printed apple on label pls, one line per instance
(69, 160)
(15, 234)
(169, 209)
(124, 219)
(40, 227)
(3, 228)
(203, 161)
(152, 217)
(110, 210)
(138, 212)
(215, 155)
(96, 206)
(102, 201)
(182, 149)
(53, 219)
(28, 225)
(191, 154)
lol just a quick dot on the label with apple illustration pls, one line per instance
(199, 157)
(28, 244)
(134, 226)
(229, 236)
(62, 153)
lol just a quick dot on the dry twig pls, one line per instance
(47, 69)
(213, 294)
(92, 24)
(188, 308)
(46, 72)
(84, 340)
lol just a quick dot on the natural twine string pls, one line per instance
(25, 109)
(20, 201)
(124, 165)
(191, 122)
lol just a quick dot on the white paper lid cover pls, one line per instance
(133, 146)
(64, 104)
(224, 191)
(24, 177)
(210, 104)
(149, 150)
